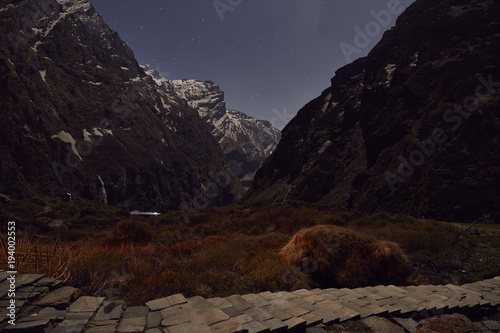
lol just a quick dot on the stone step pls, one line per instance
(364, 308)
(491, 325)
(134, 319)
(275, 325)
(493, 299)
(228, 326)
(255, 299)
(277, 312)
(389, 292)
(51, 307)
(256, 327)
(311, 319)
(407, 323)
(382, 325)
(239, 302)
(383, 302)
(285, 295)
(351, 294)
(162, 303)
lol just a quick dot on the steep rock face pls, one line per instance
(78, 115)
(413, 127)
(246, 142)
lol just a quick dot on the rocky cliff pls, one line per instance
(246, 142)
(79, 115)
(413, 127)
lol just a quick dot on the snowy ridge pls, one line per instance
(205, 97)
(75, 5)
(243, 139)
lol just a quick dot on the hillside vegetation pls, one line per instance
(236, 249)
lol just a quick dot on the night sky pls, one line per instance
(270, 57)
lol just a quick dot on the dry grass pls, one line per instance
(34, 256)
(236, 250)
(208, 266)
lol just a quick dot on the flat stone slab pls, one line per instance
(59, 298)
(347, 314)
(153, 319)
(259, 313)
(275, 325)
(311, 319)
(155, 330)
(23, 295)
(179, 314)
(219, 302)
(351, 294)
(26, 279)
(328, 317)
(101, 329)
(42, 290)
(267, 295)
(296, 311)
(48, 282)
(52, 312)
(255, 299)
(69, 326)
(282, 304)
(492, 325)
(295, 323)
(132, 325)
(162, 303)
(199, 303)
(228, 326)
(30, 319)
(28, 326)
(212, 316)
(243, 319)
(285, 295)
(110, 310)
(136, 311)
(231, 311)
(313, 299)
(276, 312)
(407, 323)
(239, 302)
(256, 327)
(315, 330)
(492, 298)
(301, 302)
(104, 323)
(189, 328)
(382, 325)
(83, 316)
(86, 304)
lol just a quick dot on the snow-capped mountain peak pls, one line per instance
(243, 139)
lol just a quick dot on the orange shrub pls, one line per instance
(339, 257)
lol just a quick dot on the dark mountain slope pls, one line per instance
(364, 144)
(78, 115)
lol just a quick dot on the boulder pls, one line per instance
(340, 257)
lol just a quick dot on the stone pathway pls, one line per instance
(44, 305)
